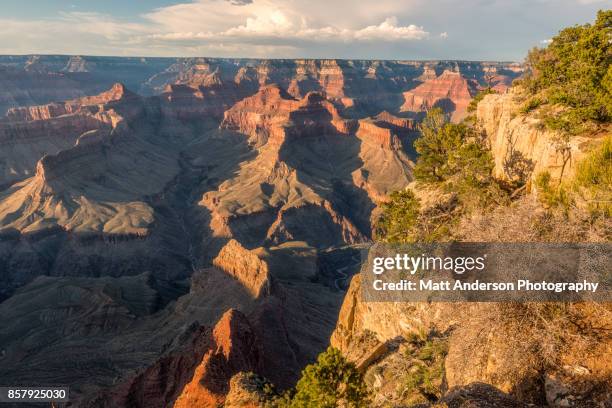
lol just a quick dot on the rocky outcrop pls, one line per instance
(381, 147)
(377, 134)
(398, 123)
(234, 349)
(246, 391)
(87, 106)
(480, 395)
(478, 351)
(450, 91)
(244, 266)
(522, 147)
(162, 382)
(482, 367)
(387, 320)
(261, 116)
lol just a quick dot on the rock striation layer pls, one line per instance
(522, 146)
(234, 349)
(450, 91)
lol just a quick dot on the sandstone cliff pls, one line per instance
(522, 146)
(244, 266)
(450, 91)
(234, 349)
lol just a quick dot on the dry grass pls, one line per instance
(527, 221)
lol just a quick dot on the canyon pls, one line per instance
(169, 224)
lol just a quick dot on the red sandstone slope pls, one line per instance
(450, 91)
(234, 349)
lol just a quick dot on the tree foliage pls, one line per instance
(438, 138)
(456, 155)
(453, 158)
(593, 179)
(399, 218)
(330, 382)
(574, 73)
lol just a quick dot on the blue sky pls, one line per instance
(391, 29)
(48, 8)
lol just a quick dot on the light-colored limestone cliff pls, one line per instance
(520, 143)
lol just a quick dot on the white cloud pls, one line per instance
(444, 35)
(389, 30)
(265, 20)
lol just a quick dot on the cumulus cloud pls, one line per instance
(390, 30)
(267, 19)
(270, 22)
(277, 25)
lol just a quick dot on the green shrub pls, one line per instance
(593, 179)
(531, 104)
(473, 179)
(437, 139)
(330, 382)
(552, 196)
(447, 150)
(423, 382)
(592, 183)
(574, 72)
(452, 158)
(479, 97)
(399, 218)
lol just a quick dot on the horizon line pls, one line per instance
(266, 58)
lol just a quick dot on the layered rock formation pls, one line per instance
(234, 349)
(246, 391)
(309, 161)
(357, 86)
(56, 190)
(197, 232)
(449, 91)
(521, 144)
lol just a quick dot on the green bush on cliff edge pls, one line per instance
(573, 77)
(592, 183)
(330, 382)
(453, 158)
